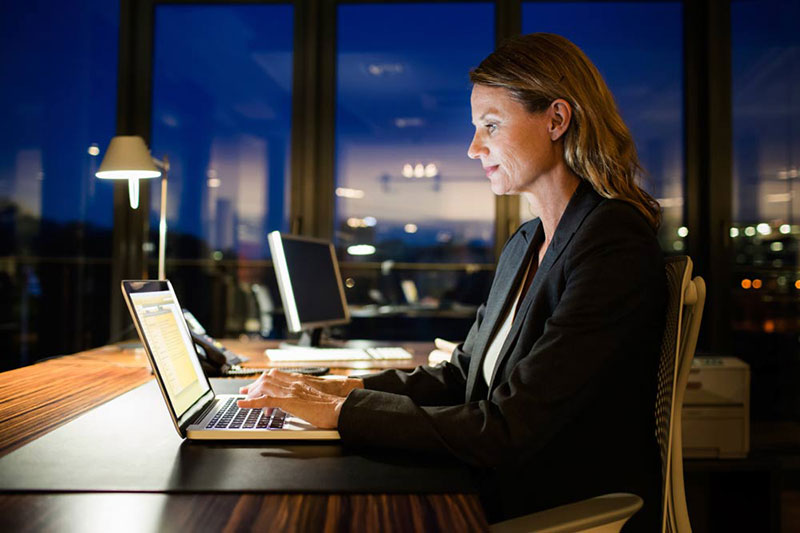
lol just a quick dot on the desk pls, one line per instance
(58, 391)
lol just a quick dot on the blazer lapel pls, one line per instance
(583, 201)
(505, 285)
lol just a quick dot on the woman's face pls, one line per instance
(515, 147)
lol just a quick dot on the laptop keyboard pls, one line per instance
(230, 416)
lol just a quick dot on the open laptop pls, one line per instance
(196, 411)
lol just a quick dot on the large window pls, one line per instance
(406, 192)
(222, 106)
(637, 46)
(765, 53)
(59, 72)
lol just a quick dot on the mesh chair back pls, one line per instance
(678, 270)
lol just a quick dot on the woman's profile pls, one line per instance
(551, 396)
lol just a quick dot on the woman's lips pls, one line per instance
(490, 170)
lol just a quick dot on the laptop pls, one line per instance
(196, 411)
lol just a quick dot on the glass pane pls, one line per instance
(406, 190)
(222, 107)
(58, 114)
(638, 48)
(765, 52)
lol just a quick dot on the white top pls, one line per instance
(500, 337)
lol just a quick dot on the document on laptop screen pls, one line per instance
(172, 348)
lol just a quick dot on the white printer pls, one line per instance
(716, 408)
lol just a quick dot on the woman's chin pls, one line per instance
(499, 189)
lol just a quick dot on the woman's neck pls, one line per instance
(549, 199)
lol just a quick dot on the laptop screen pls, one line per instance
(171, 347)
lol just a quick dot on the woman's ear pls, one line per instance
(559, 116)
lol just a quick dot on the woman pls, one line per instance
(552, 393)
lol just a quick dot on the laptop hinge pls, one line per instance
(198, 410)
(207, 410)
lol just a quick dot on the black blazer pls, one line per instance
(569, 412)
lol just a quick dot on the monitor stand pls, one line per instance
(311, 338)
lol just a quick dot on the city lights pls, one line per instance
(420, 170)
(785, 229)
(366, 222)
(683, 231)
(410, 228)
(344, 192)
(734, 232)
(361, 249)
(354, 222)
(764, 228)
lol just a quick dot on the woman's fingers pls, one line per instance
(437, 356)
(445, 346)
(319, 412)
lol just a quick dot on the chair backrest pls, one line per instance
(685, 301)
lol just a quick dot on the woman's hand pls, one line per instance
(302, 401)
(337, 386)
(443, 352)
(315, 400)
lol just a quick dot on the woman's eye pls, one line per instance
(491, 127)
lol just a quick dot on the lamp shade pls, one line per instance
(127, 157)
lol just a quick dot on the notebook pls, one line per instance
(196, 411)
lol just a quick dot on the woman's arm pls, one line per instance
(443, 384)
(590, 348)
(319, 401)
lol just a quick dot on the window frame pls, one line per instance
(707, 138)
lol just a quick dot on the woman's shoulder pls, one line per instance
(619, 215)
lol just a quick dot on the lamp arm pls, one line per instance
(162, 224)
(161, 164)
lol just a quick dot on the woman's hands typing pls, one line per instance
(315, 400)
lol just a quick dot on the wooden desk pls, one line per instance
(57, 391)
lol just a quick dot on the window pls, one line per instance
(765, 54)
(407, 195)
(638, 48)
(60, 67)
(223, 118)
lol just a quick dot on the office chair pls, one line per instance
(684, 312)
(608, 513)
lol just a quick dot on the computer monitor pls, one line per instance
(310, 285)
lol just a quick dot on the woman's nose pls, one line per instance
(476, 148)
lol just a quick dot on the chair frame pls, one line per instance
(675, 515)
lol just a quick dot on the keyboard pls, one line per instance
(301, 354)
(231, 416)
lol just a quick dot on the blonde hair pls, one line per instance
(541, 67)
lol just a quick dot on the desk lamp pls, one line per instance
(127, 157)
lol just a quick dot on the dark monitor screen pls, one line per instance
(309, 281)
